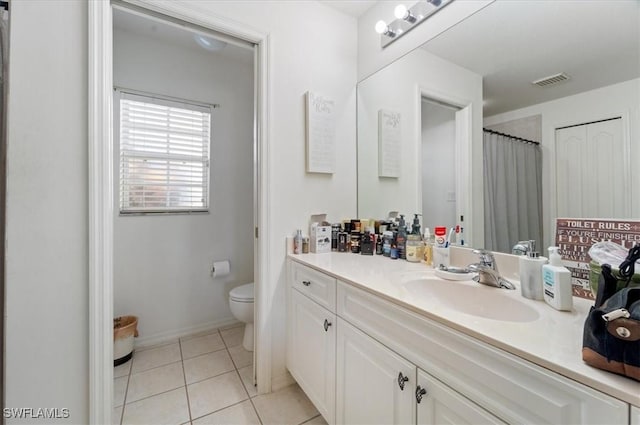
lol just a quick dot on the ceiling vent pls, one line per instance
(550, 80)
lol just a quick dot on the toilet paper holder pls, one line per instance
(220, 268)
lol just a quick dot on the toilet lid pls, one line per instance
(242, 293)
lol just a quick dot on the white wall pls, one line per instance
(438, 165)
(605, 102)
(372, 57)
(529, 128)
(398, 88)
(47, 231)
(47, 291)
(162, 263)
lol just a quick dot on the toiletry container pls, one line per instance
(241, 302)
(531, 275)
(557, 282)
(297, 242)
(401, 238)
(428, 248)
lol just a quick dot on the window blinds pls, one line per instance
(164, 155)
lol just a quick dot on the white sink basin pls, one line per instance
(474, 299)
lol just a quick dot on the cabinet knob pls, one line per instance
(401, 380)
(326, 325)
(306, 282)
(419, 393)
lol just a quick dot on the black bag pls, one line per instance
(611, 339)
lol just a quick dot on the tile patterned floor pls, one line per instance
(202, 379)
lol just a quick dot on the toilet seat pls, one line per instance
(242, 293)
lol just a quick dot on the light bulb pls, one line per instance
(381, 27)
(400, 11)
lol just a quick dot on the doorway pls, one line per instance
(438, 163)
(444, 154)
(102, 181)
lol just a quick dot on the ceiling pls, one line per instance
(514, 42)
(355, 8)
(179, 35)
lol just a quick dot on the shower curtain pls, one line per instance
(512, 192)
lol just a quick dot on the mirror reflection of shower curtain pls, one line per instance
(512, 192)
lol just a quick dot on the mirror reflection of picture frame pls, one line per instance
(389, 138)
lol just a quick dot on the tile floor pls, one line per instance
(202, 379)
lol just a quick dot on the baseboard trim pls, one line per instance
(281, 381)
(170, 336)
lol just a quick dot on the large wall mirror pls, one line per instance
(524, 112)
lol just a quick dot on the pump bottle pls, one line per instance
(557, 282)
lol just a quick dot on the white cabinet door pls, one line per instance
(312, 352)
(439, 404)
(374, 384)
(635, 415)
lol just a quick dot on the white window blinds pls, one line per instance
(164, 155)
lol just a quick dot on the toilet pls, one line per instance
(241, 304)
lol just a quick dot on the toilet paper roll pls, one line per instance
(221, 268)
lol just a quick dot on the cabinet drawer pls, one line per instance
(315, 285)
(515, 390)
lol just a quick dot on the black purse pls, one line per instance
(611, 339)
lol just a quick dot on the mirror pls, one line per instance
(483, 71)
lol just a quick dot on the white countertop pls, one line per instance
(553, 340)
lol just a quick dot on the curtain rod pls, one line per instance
(520, 139)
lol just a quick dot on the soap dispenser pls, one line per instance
(557, 282)
(415, 245)
(531, 273)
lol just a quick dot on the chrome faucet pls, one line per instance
(487, 270)
(523, 247)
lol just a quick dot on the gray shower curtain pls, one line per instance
(512, 192)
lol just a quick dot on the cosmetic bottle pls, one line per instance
(335, 229)
(531, 273)
(343, 241)
(394, 250)
(387, 238)
(379, 244)
(401, 238)
(356, 236)
(297, 242)
(441, 236)
(428, 248)
(415, 245)
(366, 244)
(557, 282)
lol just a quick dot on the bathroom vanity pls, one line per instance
(371, 340)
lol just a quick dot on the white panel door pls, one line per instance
(439, 404)
(312, 352)
(375, 385)
(591, 169)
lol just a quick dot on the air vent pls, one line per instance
(550, 80)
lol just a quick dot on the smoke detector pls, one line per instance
(550, 80)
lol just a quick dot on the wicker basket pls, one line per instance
(125, 328)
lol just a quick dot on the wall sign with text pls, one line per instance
(574, 237)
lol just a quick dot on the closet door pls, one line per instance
(591, 166)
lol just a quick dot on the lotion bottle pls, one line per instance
(557, 282)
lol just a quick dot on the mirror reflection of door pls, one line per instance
(591, 169)
(438, 164)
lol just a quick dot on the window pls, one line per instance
(164, 155)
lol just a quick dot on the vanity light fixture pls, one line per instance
(407, 19)
(383, 29)
(403, 13)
